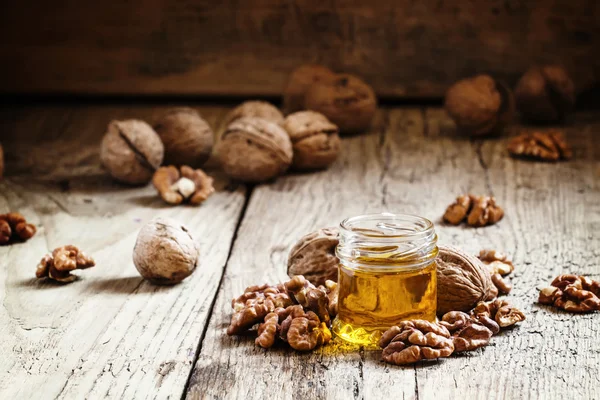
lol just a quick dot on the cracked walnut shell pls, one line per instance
(186, 136)
(479, 105)
(347, 101)
(14, 228)
(59, 264)
(545, 146)
(131, 151)
(165, 252)
(415, 340)
(254, 150)
(572, 293)
(314, 256)
(300, 81)
(545, 93)
(315, 140)
(462, 281)
(184, 184)
(478, 211)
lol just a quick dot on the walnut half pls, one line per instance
(545, 146)
(478, 211)
(59, 264)
(184, 184)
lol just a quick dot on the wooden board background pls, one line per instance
(404, 48)
(112, 335)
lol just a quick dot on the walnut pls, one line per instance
(546, 146)
(332, 290)
(187, 138)
(545, 93)
(478, 210)
(498, 265)
(467, 333)
(313, 256)
(300, 81)
(315, 140)
(1, 162)
(479, 105)
(165, 252)
(268, 330)
(131, 151)
(500, 311)
(254, 109)
(462, 281)
(182, 185)
(253, 306)
(347, 101)
(415, 340)
(14, 228)
(254, 150)
(59, 264)
(310, 297)
(305, 332)
(572, 293)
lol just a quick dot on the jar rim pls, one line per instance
(412, 226)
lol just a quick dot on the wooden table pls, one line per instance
(111, 334)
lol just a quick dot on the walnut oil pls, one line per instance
(387, 274)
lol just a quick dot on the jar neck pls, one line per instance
(381, 242)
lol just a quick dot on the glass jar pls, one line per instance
(387, 274)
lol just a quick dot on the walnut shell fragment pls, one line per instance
(347, 101)
(545, 94)
(462, 281)
(572, 293)
(299, 81)
(254, 150)
(165, 252)
(314, 256)
(15, 228)
(415, 340)
(549, 146)
(315, 140)
(58, 265)
(184, 184)
(131, 151)
(187, 137)
(478, 211)
(479, 105)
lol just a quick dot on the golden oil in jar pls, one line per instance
(387, 274)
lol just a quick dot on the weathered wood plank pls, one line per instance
(110, 334)
(403, 48)
(413, 163)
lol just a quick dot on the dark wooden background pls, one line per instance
(404, 48)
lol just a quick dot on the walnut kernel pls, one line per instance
(315, 140)
(314, 256)
(184, 184)
(479, 105)
(479, 211)
(347, 101)
(462, 281)
(14, 228)
(300, 81)
(131, 151)
(572, 293)
(545, 93)
(254, 150)
(186, 136)
(165, 252)
(546, 146)
(59, 264)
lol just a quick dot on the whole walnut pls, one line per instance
(347, 101)
(300, 81)
(254, 109)
(165, 252)
(254, 150)
(314, 256)
(545, 94)
(131, 151)
(462, 281)
(315, 140)
(1, 162)
(188, 139)
(479, 105)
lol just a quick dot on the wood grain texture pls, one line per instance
(110, 334)
(190, 47)
(413, 163)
